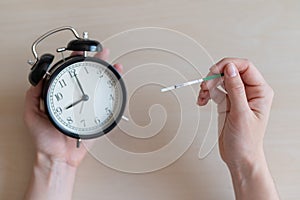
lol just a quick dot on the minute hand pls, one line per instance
(79, 84)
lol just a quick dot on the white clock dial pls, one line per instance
(85, 98)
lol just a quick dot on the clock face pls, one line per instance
(85, 97)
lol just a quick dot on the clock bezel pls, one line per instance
(62, 64)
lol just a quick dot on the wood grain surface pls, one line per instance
(265, 32)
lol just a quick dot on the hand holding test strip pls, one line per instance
(191, 82)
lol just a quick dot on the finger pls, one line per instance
(206, 94)
(34, 93)
(103, 55)
(224, 105)
(32, 99)
(248, 72)
(77, 53)
(235, 89)
(209, 91)
(213, 83)
(119, 67)
(203, 97)
(217, 95)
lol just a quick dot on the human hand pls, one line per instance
(243, 111)
(50, 143)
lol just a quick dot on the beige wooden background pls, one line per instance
(266, 32)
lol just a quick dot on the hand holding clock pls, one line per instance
(55, 152)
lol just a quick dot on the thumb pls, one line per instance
(235, 89)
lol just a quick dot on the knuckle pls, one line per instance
(269, 92)
(266, 93)
(247, 62)
(238, 89)
(227, 59)
(224, 59)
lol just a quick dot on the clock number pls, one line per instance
(100, 73)
(62, 83)
(69, 120)
(58, 110)
(72, 73)
(59, 96)
(83, 123)
(111, 83)
(108, 111)
(111, 97)
(97, 120)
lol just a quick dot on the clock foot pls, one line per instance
(78, 143)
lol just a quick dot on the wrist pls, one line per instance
(246, 170)
(49, 163)
(51, 179)
(247, 167)
(251, 177)
(246, 160)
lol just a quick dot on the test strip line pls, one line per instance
(191, 82)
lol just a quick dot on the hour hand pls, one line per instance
(84, 98)
(73, 104)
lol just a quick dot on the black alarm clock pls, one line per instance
(84, 97)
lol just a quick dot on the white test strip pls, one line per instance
(181, 85)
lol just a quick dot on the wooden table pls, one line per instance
(266, 32)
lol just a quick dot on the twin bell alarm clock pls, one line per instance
(84, 97)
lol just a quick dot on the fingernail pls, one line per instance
(231, 70)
